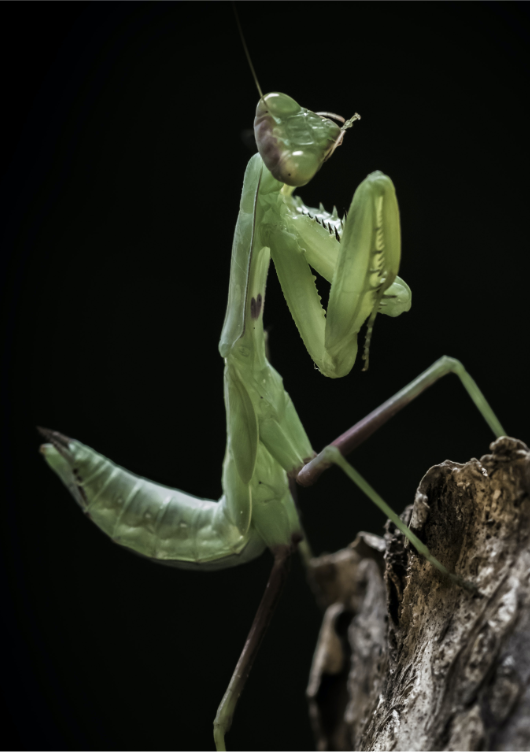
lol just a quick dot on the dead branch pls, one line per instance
(405, 659)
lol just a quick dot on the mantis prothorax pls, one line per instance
(266, 442)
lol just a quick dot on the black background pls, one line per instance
(123, 165)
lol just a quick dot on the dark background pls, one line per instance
(123, 164)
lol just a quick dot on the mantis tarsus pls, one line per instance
(266, 442)
(406, 121)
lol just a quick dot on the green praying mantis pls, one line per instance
(266, 442)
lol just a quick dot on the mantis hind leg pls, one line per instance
(266, 608)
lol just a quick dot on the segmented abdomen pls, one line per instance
(161, 523)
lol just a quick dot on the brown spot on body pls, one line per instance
(255, 306)
(79, 482)
(296, 538)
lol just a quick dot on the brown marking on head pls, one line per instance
(255, 306)
(268, 145)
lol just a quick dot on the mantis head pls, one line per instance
(294, 142)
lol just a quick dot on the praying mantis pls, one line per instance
(398, 349)
(266, 441)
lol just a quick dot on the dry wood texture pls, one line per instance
(405, 659)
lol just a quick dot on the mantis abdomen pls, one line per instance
(155, 521)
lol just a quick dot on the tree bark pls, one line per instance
(406, 659)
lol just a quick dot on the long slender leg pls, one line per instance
(348, 441)
(366, 264)
(358, 433)
(271, 596)
(333, 455)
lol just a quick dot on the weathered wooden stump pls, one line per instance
(405, 659)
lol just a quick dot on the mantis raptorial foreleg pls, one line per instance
(360, 258)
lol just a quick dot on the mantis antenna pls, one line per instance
(247, 52)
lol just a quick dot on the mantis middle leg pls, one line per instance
(334, 453)
(357, 434)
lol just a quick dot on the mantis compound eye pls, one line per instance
(292, 141)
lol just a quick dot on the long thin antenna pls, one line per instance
(247, 52)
